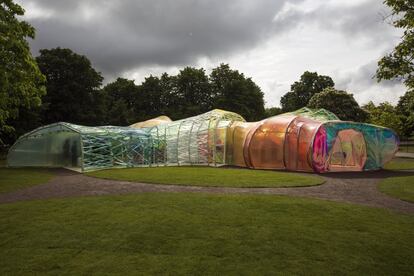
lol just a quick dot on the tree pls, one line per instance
(73, 93)
(399, 63)
(120, 99)
(192, 92)
(273, 111)
(21, 82)
(340, 103)
(405, 107)
(232, 91)
(384, 115)
(302, 91)
(152, 100)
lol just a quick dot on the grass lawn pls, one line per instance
(167, 233)
(401, 187)
(400, 164)
(205, 176)
(14, 179)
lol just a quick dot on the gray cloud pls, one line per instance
(363, 20)
(363, 84)
(129, 37)
(122, 35)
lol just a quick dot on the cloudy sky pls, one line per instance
(272, 41)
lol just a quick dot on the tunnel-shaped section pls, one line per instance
(81, 148)
(198, 140)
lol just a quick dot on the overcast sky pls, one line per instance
(273, 42)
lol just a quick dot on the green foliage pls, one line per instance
(194, 234)
(203, 176)
(405, 107)
(399, 63)
(272, 111)
(302, 91)
(401, 187)
(232, 91)
(120, 99)
(73, 93)
(21, 82)
(189, 93)
(14, 179)
(192, 93)
(340, 103)
(384, 115)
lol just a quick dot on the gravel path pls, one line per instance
(359, 188)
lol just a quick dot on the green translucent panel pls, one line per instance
(321, 114)
(198, 140)
(81, 147)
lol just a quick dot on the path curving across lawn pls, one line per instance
(211, 177)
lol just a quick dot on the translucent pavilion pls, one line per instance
(304, 140)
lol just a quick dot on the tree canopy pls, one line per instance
(73, 93)
(339, 102)
(385, 115)
(405, 108)
(190, 92)
(119, 102)
(302, 91)
(232, 91)
(399, 63)
(21, 82)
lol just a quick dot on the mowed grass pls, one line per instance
(400, 164)
(187, 234)
(206, 176)
(14, 179)
(401, 187)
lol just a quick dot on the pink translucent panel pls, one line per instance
(299, 143)
(320, 149)
(264, 145)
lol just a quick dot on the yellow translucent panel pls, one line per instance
(152, 122)
(236, 140)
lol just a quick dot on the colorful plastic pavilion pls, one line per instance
(304, 140)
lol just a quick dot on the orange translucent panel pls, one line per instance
(264, 145)
(299, 142)
(236, 136)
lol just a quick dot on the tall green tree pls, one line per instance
(21, 82)
(385, 115)
(399, 63)
(273, 111)
(120, 99)
(232, 91)
(192, 92)
(302, 91)
(152, 100)
(339, 102)
(405, 108)
(73, 88)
